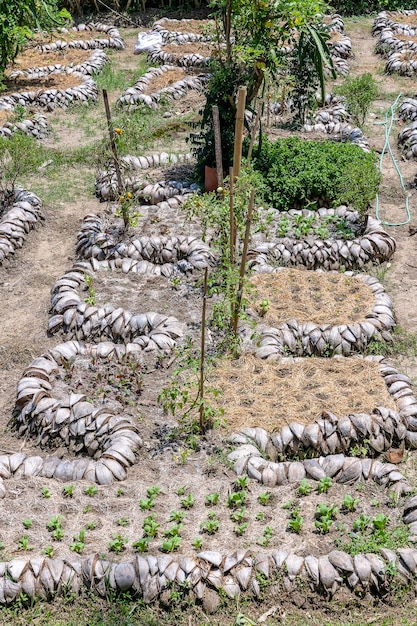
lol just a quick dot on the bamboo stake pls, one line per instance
(240, 118)
(218, 145)
(202, 352)
(255, 129)
(115, 156)
(232, 219)
(243, 264)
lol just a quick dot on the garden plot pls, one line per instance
(20, 211)
(167, 82)
(49, 90)
(316, 313)
(193, 54)
(184, 30)
(29, 123)
(32, 62)
(85, 36)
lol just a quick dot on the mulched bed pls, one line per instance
(32, 57)
(22, 84)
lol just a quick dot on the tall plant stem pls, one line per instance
(110, 128)
(243, 265)
(240, 118)
(202, 351)
(218, 145)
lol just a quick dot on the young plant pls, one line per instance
(197, 543)
(305, 488)
(57, 534)
(120, 492)
(239, 529)
(171, 544)
(236, 499)
(265, 498)
(123, 521)
(380, 522)
(176, 516)
(91, 525)
(23, 543)
(91, 490)
(146, 504)
(362, 523)
(54, 522)
(260, 517)
(48, 551)
(77, 546)
(212, 499)
(117, 544)
(324, 510)
(150, 526)
(239, 515)
(324, 484)
(295, 524)
(45, 492)
(141, 545)
(323, 524)
(174, 531)
(349, 503)
(68, 491)
(188, 501)
(266, 537)
(27, 523)
(241, 482)
(211, 525)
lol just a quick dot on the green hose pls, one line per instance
(388, 128)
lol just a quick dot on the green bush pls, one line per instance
(297, 172)
(359, 92)
(362, 7)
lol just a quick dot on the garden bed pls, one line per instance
(315, 313)
(58, 89)
(189, 54)
(159, 83)
(33, 124)
(185, 30)
(86, 36)
(32, 63)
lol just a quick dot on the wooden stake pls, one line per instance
(218, 145)
(243, 263)
(255, 129)
(240, 118)
(115, 156)
(232, 220)
(202, 352)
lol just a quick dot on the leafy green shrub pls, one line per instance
(359, 92)
(298, 172)
(361, 7)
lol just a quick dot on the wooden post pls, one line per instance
(218, 145)
(243, 263)
(202, 352)
(232, 219)
(115, 156)
(240, 118)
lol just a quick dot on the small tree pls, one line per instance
(18, 19)
(359, 92)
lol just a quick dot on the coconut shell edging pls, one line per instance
(82, 321)
(373, 246)
(93, 65)
(109, 441)
(15, 224)
(114, 39)
(85, 92)
(161, 255)
(307, 338)
(386, 20)
(133, 96)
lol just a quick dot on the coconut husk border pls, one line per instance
(35, 126)
(402, 22)
(113, 39)
(309, 329)
(24, 214)
(92, 65)
(160, 54)
(182, 31)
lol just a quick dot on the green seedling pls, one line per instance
(91, 525)
(242, 482)
(324, 510)
(54, 522)
(150, 526)
(81, 536)
(239, 515)
(123, 521)
(324, 484)
(87, 508)
(210, 526)
(197, 543)
(265, 498)
(23, 543)
(27, 523)
(57, 534)
(77, 546)
(120, 492)
(380, 521)
(266, 537)
(305, 488)
(171, 544)
(188, 502)
(288, 505)
(263, 307)
(260, 517)
(349, 503)
(153, 491)
(91, 490)
(239, 529)
(295, 524)
(176, 516)
(48, 551)
(362, 523)
(45, 492)
(181, 491)
(117, 544)
(212, 499)
(323, 525)
(174, 531)
(141, 545)
(236, 499)
(68, 491)
(146, 504)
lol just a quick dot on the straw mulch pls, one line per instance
(271, 394)
(399, 18)
(190, 26)
(310, 297)
(35, 58)
(205, 49)
(165, 79)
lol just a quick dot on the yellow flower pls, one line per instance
(122, 199)
(129, 195)
(118, 131)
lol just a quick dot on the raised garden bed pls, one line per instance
(159, 83)
(32, 63)
(76, 314)
(184, 30)
(31, 124)
(20, 211)
(58, 89)
(316, 313)
(373, 245)
(319, 406)
(399, 22)
(193, 54)
(85, 36)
